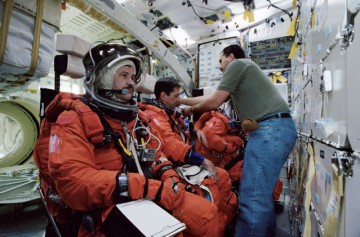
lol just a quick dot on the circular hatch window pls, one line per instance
(18, 131)
(12, 135)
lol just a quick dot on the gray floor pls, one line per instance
(30, 220)
(20, 220)
(282, 224)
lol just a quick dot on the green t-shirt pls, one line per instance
(252, 92)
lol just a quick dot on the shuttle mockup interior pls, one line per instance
(308, 49)
(167, 40)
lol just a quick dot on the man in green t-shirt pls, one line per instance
(255, 97)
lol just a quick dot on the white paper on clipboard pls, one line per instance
(150, 219)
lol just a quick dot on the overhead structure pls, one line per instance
(131, 24)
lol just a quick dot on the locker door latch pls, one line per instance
(344, 162)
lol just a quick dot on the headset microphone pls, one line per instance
(121, 91)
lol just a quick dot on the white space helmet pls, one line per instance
(97, 61)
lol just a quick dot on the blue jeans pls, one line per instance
(267, 150)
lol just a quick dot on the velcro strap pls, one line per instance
(162, 170)
(146, 188)
(158, 194)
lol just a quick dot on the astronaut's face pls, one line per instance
(124, 79)
(172, 100)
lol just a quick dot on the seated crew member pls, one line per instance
(83, 177)
(167, 122)
(217, 140)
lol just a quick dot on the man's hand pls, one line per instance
(211, 168)
(187, 111)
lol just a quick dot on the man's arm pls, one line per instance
(194, 100)
(208, 103)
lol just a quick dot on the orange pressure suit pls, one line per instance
(83, 174)
(217, 142)
(176, 146)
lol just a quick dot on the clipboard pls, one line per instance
(150, 219)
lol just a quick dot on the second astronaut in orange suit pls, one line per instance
(168, 122)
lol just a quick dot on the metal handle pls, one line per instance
(344, 162)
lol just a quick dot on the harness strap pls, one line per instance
(117, 139)
(170, 113)
(94, 129)
(181, 131)
(237, 159)
(128, 155)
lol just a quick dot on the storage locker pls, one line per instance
(307, 103)
(351, 202)
(353, 88)
(326, 202)
(329, 92)
(329, 17)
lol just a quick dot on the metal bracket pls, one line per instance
(344, 162)
(356, 154)
(120, 15)
(304, 137)
(347, 37)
